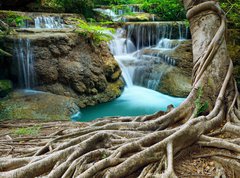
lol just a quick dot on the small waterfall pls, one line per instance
(165, 43)
(25, 60)
(148, 34)
(48, 22)
(120, 45)
(139, 47)
(110, 13)
(183, 31)
(148, 77)
(135, 9)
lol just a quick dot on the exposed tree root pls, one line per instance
(145, 146)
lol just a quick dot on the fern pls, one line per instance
(94, 32)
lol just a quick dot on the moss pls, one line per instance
(116, 75)
(5, 87)
(138, 17)
(234, 51)
(14, 19)
(36, 106)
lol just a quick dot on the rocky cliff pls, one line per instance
(67, 64)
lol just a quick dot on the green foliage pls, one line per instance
(200, 107)
(94, 32)
(104, 155)
(232, 10)
(77, 6)
(117, 2)
(166, 9)
(126, 10)
(27, 131)
(16, 19)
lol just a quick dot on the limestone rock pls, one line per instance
(68, 64)
(37, 105)
(175, 83)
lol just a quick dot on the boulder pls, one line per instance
(183, 56)
(25, 104)
(68, 64)
(175, 83)
(175, 80)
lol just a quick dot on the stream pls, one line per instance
(137, 47)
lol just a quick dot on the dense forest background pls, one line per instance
(165, 9)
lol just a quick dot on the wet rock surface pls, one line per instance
(69, 65)
(25, 104)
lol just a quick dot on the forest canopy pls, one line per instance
(166, 9)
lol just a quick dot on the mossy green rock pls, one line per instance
(37, 105)
(175, 83)
(141, 17)
(5, 87)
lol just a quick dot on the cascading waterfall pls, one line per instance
(48, 22)
(148, 34)
(116, 14)
(110, 13)
(138, 49)
(138, 68)
(25, 60)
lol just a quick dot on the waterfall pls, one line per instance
(183, 31)
(148, 34)
(25, 61)
(138, 48)
(110, 13)
(48, 22)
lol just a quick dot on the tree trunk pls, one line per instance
(145, 146)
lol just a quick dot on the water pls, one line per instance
(134, 101)
(116, 14)
(48, 22)
(149, 34)
(110, 13)
(25, 60)
(143, 66)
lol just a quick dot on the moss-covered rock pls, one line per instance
(37, 105)
(5, 87)
(69, 65)
(175, 83)
(140, 17)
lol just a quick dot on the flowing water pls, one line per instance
(24, 53)
(48, 22)
(142, 64)
(25, 60)
(137, 48)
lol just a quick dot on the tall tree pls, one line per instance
(142, 146)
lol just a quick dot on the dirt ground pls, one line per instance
(16, 138)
